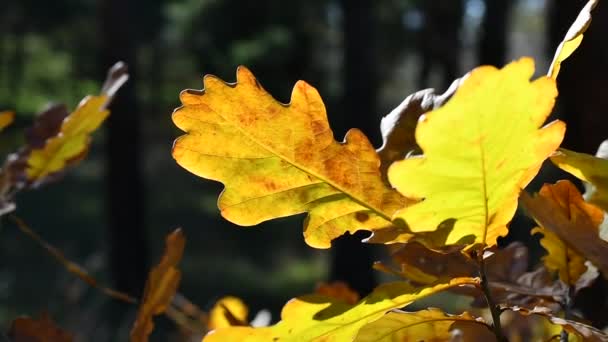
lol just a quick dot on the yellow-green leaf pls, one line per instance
(573, 38)
(278, 160)
(480, 149)
(161, 286)
(590, 169)
(70, 144)
(320, 318)
(427, 325)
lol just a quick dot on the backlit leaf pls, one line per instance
(6, 118)
(278, 160)
(26, 329)
(320, 318)
(338, 290)
(228, 311)
(592, 170)
(426, 325)
(71, 143)
(480, 149)
(577, 228)
(161, 285)
(573, 38)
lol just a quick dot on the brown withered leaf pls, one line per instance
(505, 268)
(43, 329)
(398, 126)
(161, 285)
(587, 332)
(338, 290)
(578, 228)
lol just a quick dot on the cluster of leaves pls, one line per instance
(440, 192)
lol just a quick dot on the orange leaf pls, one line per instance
(25, 329)
(6, 118)
(560, 208)
(162, 284)
(338, 290)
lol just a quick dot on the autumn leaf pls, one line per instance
(573, 38)
(398, 126)
(592, 170)
(426, 325)
(338, 290)
(228, 311)
(6, 118)
(278, 160)
(480, 149)
(43, 329)
(321, 318)
(577, 226)
(587, 332)
(72, 141)
(161, 286)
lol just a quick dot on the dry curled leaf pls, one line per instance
(161, 286)
(278, 160)
(479, 150)
(577, 228)
(43, 329)
(573, 38)
(587, 332)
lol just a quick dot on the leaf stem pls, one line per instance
(494, 309)
(567, 306)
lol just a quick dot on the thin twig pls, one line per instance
(494, 309)
(567, 306)
(69, 265)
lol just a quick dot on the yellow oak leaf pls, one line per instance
(278, 160)
(426, 325)
(71, 142)
(228, 311)
(161, 286)
(321, 318)
(6, 118)
(480, 149)
(573, 38)
(592, 170)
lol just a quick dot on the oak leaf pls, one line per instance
(561, 209)
(584, 331)
(228, 311)
(573, 38)
(480, 149)
(163, 281)
(321, 318)
(71, 141)
(43, 329)
(278, 160)
(426, 325)
(593, 170)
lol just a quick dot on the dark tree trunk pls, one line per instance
(351, 260)
(440, 41)
(126, 235)
(583, 86)
(493, 39)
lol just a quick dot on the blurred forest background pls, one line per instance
(111, 213)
